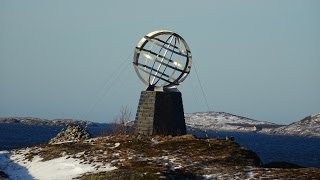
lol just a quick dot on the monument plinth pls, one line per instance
(160, 113)
(162, 60)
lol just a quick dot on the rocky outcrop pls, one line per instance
(72, 133)
(166, 157)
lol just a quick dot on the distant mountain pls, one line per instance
(308, 126)
(38, 121)
(216, 121)
(221, 121)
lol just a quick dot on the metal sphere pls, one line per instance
(162, 59)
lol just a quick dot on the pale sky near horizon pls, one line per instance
(72, 59)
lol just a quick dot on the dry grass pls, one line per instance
(183, 157)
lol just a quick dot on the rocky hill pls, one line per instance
(138, 157)
(38, 121)
(308, 126)
(215, 121)
(221, 121)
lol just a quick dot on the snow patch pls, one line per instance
(116, 145)
(154, 142)
(17, 168)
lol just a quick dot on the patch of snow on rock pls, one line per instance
(116, 145)
(154, 142)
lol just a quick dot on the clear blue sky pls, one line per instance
(259, 59)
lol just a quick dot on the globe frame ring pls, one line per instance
(158, 53)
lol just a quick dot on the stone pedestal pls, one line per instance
(160, 113)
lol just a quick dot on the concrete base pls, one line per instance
(160, 113)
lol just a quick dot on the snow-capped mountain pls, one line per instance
(308, 126)
(222, 121)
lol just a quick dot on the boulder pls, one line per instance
(72, 133)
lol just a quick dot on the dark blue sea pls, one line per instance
(298, 150)
(303, 151)
(20, 135)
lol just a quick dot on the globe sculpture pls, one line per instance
(162, 59)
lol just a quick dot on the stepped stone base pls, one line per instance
(160, 113)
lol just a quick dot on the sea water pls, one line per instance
(303, 151)
(20, 135)
(298, 150)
